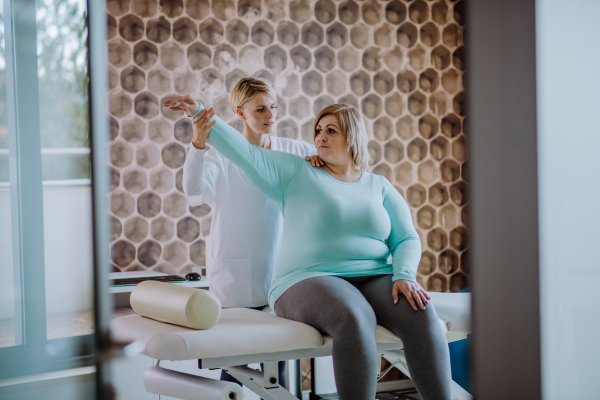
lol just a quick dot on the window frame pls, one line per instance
(503, 182)
(32, 352)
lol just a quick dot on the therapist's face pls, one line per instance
(331, 142)
(259, 114)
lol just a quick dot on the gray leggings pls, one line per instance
(348, 309)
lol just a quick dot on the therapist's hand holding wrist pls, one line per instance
(182, 103)
(202, 125)
(413, 292)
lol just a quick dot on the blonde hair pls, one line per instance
(246, 89)
(353, 126)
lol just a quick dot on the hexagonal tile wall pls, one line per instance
(401, 62)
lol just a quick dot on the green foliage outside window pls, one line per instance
(63, 88)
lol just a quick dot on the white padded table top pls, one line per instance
(454, 309)
(242, 331)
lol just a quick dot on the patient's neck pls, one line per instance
(258, 139)
(345, 172)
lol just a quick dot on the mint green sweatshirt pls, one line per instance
(330, 227)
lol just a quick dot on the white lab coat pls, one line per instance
(246, 225)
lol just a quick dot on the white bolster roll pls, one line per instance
(176, 304)
(165, 382)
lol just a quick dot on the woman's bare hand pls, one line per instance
(202, 127)
(315, 161)
(182, 103)
(413, 292)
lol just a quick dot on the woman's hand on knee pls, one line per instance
(413, 292)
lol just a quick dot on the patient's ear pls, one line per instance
(240, 113)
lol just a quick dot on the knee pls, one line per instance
(420, 320)
(431, 321)
(406, 309)
(357, 319)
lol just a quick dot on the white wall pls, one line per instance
(568, 67)
(67, 247)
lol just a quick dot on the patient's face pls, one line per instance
(260, 113)
(331, 142)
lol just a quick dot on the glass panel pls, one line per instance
(63, 82)
(7, 295)
(568, 84)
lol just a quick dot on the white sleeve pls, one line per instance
(302, 149)
(309, 150)
(201, 173)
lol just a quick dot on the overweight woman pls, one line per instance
(246, 226)
(341, 224)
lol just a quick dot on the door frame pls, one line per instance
(501, 109)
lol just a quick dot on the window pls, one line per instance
(46, 300)
(7, 294)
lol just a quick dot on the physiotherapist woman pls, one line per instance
(246, 225)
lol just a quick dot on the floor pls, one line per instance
(57, 326)
(401, 395)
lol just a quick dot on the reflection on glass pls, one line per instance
(63, 82)
(7, 295)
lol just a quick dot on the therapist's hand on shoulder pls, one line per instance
(413, 292)
(315, 161)
(182, 103)
(202, 125)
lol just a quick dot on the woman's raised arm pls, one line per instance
(270, 171)
(201, 172)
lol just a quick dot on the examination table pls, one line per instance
(245, 336)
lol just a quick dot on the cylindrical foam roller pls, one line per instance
(175, 304)
(165, 382)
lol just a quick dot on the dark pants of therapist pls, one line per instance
(349, 309)
(226, 377)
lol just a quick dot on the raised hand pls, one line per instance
(182, 103)
(413, 292)
(202, 127)
(315, 160)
